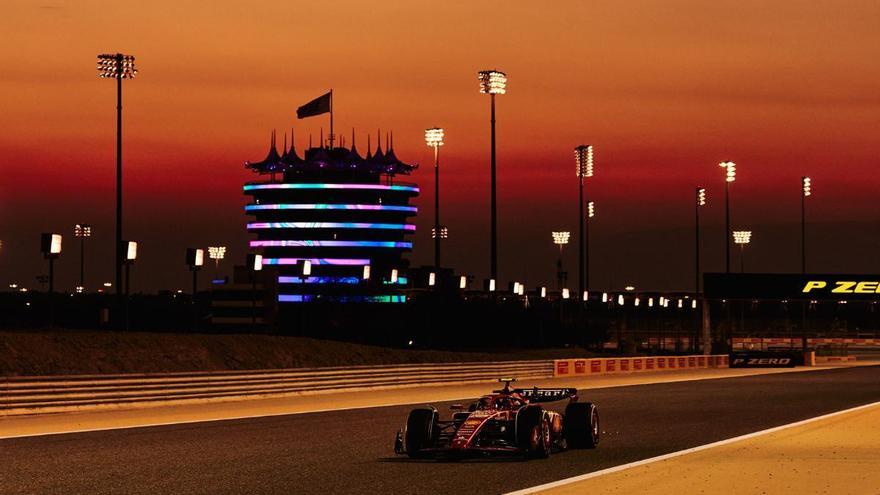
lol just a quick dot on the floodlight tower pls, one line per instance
(730, 169)
(434, 139)
(493, 82)
(591, 212)
(742, 238)
(560, 239)
(583, 155)
(806, 190)
(82, 231)
(118, 66)
(700, 202)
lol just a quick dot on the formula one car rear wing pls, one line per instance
(546, 394)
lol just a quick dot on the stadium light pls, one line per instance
(117, 66)
(82, 231)
(604, 297)
(565, 293)
(543, 292)
(50, 246)
(560, 239)
(585, 296)
(636, 302)
(493, 82)
(650, 302)
(583, 156)
(462, 282)
(195, 259)
(307, 267)
(701, 201)
(742, 238)
(394, 276)
(806, 190)
(366, 275)
(491, 285)
(620, 300)
(432, 279)
(217, 253)
(730, 169)
(434, 139)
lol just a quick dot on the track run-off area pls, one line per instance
(350, 450)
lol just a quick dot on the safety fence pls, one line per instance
(23, 395)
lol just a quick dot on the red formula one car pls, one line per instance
(508, 421)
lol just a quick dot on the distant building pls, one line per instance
(338, 212)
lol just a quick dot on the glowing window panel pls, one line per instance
(316, 261)
(301, 243)
(319, 280)
(330, 225)
(374, 187)
(325, 206)
(298, 298)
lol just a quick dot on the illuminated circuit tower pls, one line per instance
(333, 224)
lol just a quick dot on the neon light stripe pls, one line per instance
(330, 225)
(316, 261)
(298, 243)
(375, 187)
(325, 206)
(330, 280)
(344, 299)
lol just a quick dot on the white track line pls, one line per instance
(622, 467)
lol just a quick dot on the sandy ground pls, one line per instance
(838, 455)
(212, 411)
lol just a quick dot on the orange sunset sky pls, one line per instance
(664, 90)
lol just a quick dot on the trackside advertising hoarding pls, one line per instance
(762, 359)
(790, 286)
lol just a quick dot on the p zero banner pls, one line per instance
(765, 359)
(790, 286)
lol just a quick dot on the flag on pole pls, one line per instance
(317, 106)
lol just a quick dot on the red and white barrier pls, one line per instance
(602, 366)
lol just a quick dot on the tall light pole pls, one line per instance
(806, 190)
(583, 156)
(493, 82)
(742, 238)
(119, 67)
(730, 169)
(591, 212)
(434, 139)
(82, 231)
(560, 239)
(701, 201)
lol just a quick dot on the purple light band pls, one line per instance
(317, 261)
(330, 225)
(301, 243)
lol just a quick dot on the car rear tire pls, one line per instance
(533, 432)
(581, 425)
(421, 430)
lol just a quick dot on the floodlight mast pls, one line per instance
(493, 82)
(118, 66)
(560, 239)
(700, 202)
(730, 169)
(584, 160)
(434, 139)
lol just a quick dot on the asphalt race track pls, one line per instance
(351, 451)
